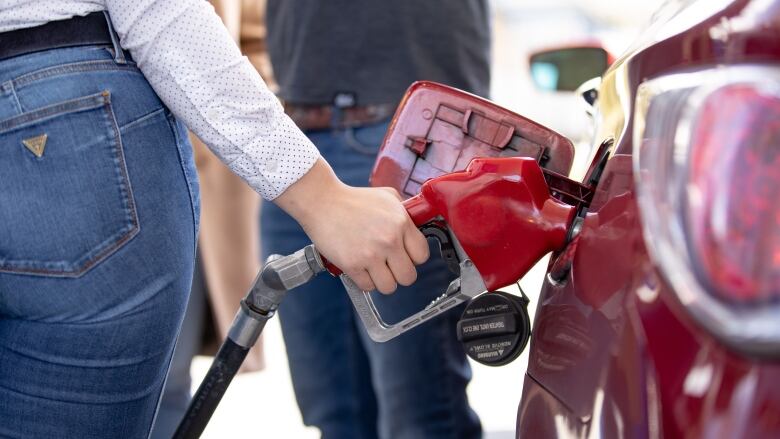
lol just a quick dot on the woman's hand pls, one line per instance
(366, 232)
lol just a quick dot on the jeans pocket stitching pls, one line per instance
(70, 68)
(84, 103)
(115, 241)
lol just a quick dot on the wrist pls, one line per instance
(304, 198)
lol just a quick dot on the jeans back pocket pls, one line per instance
(65, 197)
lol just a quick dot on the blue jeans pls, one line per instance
(348, 386)
(97, 237)
(176, 394)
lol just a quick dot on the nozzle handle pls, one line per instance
(460, 290)
(420, 210)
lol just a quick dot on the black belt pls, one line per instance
(90, 30)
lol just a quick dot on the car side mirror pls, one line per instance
(566, 69)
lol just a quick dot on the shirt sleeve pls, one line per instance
(192, 63)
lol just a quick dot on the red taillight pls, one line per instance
(734, 194)
(707, 168)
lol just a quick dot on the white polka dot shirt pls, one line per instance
(193, 64)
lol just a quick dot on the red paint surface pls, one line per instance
(603, 361)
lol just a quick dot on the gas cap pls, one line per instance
(495, 328)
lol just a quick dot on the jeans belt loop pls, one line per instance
(341, 101)
(119, 54)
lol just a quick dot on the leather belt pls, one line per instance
(90, 30)
(321, 117)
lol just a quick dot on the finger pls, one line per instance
(402, 267)
(382, 278)
(416, 245)
(362, 279)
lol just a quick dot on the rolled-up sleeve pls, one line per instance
(192, 63)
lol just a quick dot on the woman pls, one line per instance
(99, 201)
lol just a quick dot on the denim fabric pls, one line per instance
(97, 241)
(176, 394)
(347, 385)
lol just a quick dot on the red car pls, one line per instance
(662, 317)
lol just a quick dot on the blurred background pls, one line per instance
(262, 404)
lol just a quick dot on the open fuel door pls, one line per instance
(438, 129)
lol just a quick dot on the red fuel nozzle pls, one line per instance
(501, 212)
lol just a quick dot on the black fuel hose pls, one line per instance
(210, 392)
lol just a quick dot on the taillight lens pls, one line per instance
(708, 179)
(734, 200)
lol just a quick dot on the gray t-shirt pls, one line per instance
(374, 49)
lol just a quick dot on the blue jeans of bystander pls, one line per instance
(348, 386)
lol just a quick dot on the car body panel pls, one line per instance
(614, 353)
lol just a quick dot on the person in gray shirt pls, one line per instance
(342, 67)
